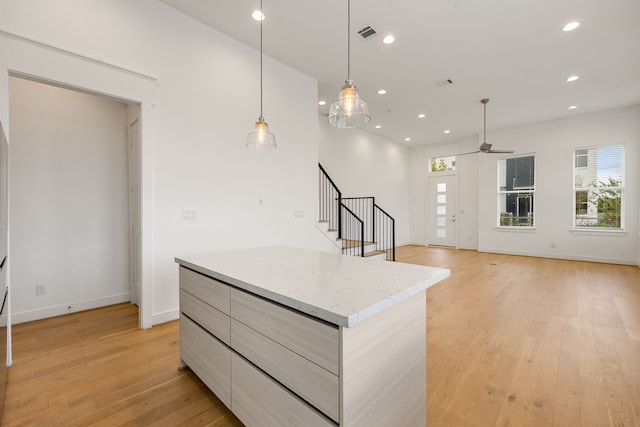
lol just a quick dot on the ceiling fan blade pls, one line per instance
(470, 152)
(500, 151)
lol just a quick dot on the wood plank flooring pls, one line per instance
(530, 341)
(510, 341)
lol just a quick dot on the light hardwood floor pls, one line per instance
(510, 341)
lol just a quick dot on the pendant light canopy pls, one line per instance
(261, 138)
(349, 110)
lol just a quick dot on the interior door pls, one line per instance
(441, 210)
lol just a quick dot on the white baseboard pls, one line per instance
(72, 307)
(165, 316)
(570, 257)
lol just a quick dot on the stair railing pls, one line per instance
(330, 209)
(385, 232)
(348, 216)
(380, 225)
(352, 233)
(363, 207)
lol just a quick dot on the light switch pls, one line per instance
(189, 215)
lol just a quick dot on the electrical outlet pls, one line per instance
(41, 289)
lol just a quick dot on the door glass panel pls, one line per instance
(442, 210)
(442, 232)
(442, 221)
(441, 187)
(442, 198)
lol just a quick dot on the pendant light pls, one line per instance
(349, 110)
(261, 138)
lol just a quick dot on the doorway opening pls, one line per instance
(74, 199)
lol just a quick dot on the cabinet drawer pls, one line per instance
(209, 290)
(259, 401)
(314, 384)
(207, 357)
(312, 339)
(208, 317)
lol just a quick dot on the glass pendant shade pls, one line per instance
(349, 111)
(261, 139)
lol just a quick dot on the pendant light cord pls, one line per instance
(261, 57)
(348, 39)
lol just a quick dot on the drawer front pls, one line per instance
(312, 339)
(259, 401)
(314, 384)
(208, 358)
(208, 317)
(209, 290)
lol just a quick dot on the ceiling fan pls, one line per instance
(485, 147)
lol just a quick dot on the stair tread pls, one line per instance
(373, 253)
(347, 244)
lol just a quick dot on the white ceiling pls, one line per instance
(511, 51)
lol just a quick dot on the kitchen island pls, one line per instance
(294, 337)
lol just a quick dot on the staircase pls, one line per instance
(357, 225)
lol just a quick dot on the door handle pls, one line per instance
(453, 218)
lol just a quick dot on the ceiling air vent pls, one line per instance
(443, 82)
(367, 32)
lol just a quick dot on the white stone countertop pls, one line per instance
(340, 289)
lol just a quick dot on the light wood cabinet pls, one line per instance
(273, 365)
(209, 358)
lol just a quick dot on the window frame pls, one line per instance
(529, 191)
(576, 189)
(432, 159)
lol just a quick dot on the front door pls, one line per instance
(441, 210)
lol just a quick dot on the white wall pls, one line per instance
(363, 165)
(553, 143)
(194, 125)
(467, 194)
(68, 206)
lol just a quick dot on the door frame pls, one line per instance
(61, 67)
(133, 160)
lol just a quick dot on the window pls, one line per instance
(443, 164)
(582, 202)
(516, 188)
(599, 187)
(581, 158)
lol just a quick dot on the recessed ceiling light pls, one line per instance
(447, 131)
(388, 39)
(407, 139)
(422, 116)
(571, 26)
(378, 126)
(382, 92)
(572, 107)
(572, 78)
(257, 15)
(322, 103)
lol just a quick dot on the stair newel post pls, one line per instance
(373, 221)
(339, 214)
(362, 238)
(393, 238)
